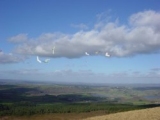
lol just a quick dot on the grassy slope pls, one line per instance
(145, 114)
(56, 116)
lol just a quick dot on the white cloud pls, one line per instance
(154, 72)
(22, 72)
(156, 69)
(148, 18)
(18, 38)
(10, 58)
(82, 76)
(104, 16)
(142, 36)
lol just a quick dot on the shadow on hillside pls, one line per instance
(13, 94)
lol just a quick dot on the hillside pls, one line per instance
(145, 114)
(72, 102)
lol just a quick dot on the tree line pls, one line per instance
(30, 108)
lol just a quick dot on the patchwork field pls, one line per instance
(72, 102)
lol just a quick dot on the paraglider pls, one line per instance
(45, 61)
(39, 60)
(107, 54)
(86, 53)
(53, 50)
(96, 52)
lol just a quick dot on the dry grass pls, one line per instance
(56, 116)
(145, 114)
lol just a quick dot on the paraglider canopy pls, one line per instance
(86, 53)
(107, 54)
(39, 60)
(53, 50)
(46, 60)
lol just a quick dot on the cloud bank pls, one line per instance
(141, 35)
(84, 76)
(10, 58)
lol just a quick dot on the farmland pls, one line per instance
(54, 99)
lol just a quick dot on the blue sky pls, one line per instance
(128, 30)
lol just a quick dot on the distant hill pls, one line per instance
(145, 114)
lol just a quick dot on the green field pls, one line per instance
(38, 99)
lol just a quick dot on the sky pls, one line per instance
(129, 31)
